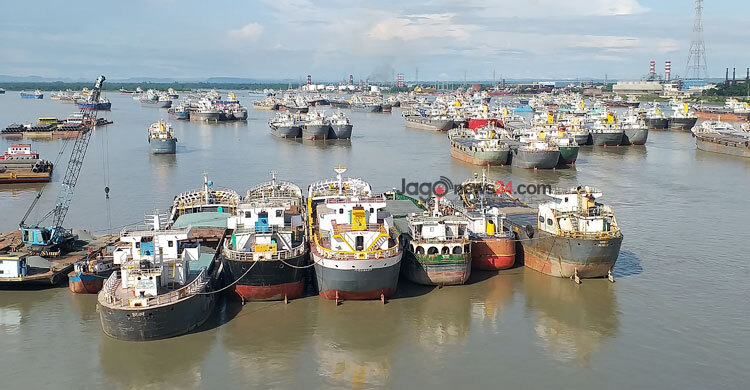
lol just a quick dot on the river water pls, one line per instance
(676, 318)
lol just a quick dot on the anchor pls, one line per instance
(610, 277)
(575, 277)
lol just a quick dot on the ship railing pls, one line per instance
(195, 286)
(354, 255)
(236, 255)
(109, 287)
(603, 235)
(370, 227)
(286, 228)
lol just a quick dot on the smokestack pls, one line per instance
(726, 78)
(652, 68)
(734, 75)
(351, 80)
(667, 70)
(309, 80)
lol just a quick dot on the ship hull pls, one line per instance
(683, 124)
(268, 280)
(546, 159)
(634, 136)
(286, 131)
(582, 139)
(428, 124)
(340, 132)
(211, 116)
(315, 131)
(182, 115)
(722, 116)
(436, 270)
(657, 123)
(157, 103)
(95, 106)
(359, 283)
(718, 144)
(366, 107)
(607, 139)
(493, 253)
(564, 257)
(495, 157)
(32, 96)
(163, 146)
(295, 109)
(568, 154)
(240, 115)
(159, 322)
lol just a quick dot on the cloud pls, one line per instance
(249, 32)
(414, 27)
(558, 8)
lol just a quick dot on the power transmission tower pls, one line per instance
(696, 64)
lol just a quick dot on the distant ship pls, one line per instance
(161, 138)
(32, 95)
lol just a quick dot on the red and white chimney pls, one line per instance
(309, 79)
(652, 68)
(667, 70)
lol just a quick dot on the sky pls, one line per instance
(441, 40)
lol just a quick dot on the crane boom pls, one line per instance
(55, 234)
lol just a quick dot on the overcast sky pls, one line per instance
(273, 39)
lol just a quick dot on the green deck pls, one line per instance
(202, 220)
(204, 260)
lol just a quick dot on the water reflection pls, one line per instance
(171, 363)
(355, 343)
(495, 294)
(264, 342)
(442, 319)
(572, 321)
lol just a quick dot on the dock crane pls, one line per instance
(56, 236)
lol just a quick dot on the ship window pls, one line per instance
(248, 214)
(432, 251)
(372, 210)
(170, 243)
(341, 211)
(446, 250)
(279, 213)
(566, 198)
(549, 221)
(541, 219)
(360, 243)
(137, 244)
(420, 250)
(457, 250)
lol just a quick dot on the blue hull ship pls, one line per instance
(104, 106)
(30, 95)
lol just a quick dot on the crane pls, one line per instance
(55, 235)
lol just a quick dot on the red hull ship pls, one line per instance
(493, 253)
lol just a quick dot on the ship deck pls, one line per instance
(400, 208)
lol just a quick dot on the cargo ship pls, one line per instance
(266, 258)
(102, 105)
(571, 236)
(196, 206)
(606, 132)
(20, 165)
(437, 250)
(479, 147)
(285, 125)
(420, 120)
(493, 247)
(341, 126)
(733, 110)
(353, 244)
(166, 285)
(723, 138)
(534, 154)
(683, 118)
(89, 274)
(634, 129)
(161, 138)
(32, 95)
(315, 125)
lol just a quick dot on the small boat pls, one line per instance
(89, 274)
(32, 95)
(161, 138)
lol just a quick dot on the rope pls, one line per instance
(231, 284)
(296, 266)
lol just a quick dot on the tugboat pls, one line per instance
(161, 138)
(89, 274)
(266, 257)
(285, 126)
(437, 250)
(165, 288)
(354, 246)
(341, 126)
(493, 247)
(573, 237)
(479, 147)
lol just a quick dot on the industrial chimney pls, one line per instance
(652, 68)
(309, 80)
(734, 75)
(667, 70)
(351, 80)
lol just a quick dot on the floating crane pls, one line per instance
(55, 235)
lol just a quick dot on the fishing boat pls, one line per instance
(89, 274)
(493, 246)
(437, 250)
(353, 244)
(479, 147)
(285, 125)
(32, 95)
(570, 236)
(341, 126)
(161, 138)
(165, 286)
(266, 257)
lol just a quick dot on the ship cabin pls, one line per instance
(487, 223)
(355, 224)
(13, 266)
(438, 235)
(154, 261)
(19, 151)
(266, 229)
(576, 213)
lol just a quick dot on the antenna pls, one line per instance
(696, 63)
